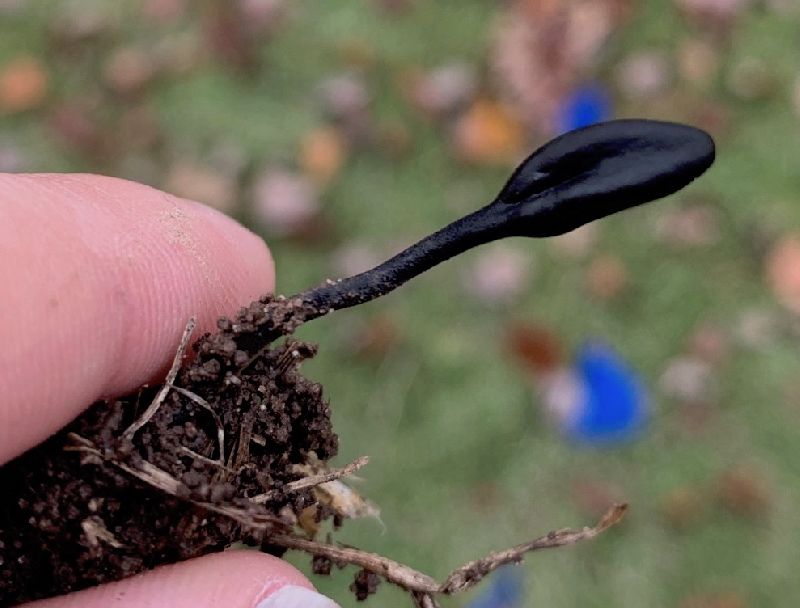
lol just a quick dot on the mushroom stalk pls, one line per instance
(574, 179)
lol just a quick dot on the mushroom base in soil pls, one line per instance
(234, 445)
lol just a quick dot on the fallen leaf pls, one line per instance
(138, 129)
(644, 75)
(23, 84)
(683, 507)
(741, 491)
(606, 277)
(356, 53)
(353, 258)
(77, 23)
(577, 243)
(498, 274)
(689, 379)
(346, 99)
(710, 343)
(693, 224)
(543, 48)
(443, 91)
(698, 61)
(284, 202)
(488, 134)
(716, 15)
(593, 496)
(76, 126)
(394, 140)
(757, 329)
(375, 338)
(537, 348)
(164, 12)
(323, 152)
(752, 79)
(128, 71)
(12, 159)
(783, 272)
(229, 35)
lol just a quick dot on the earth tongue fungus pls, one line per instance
(233, 447)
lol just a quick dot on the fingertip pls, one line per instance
(100, 276)
(233, 579)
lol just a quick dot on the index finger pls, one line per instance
(98, 278)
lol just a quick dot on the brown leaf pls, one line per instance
(536, 347)
(285, 203)
(128, 71)
(783, 271)
(593, 496)
(683, 507)
(606, 277)
(710, 343)
(715, 15)
(752, 79)
(164, 12)
(689, 379)
(75, 125)
(698, 61)
(741, 491)
(375, 339)
(323, 152)
(694, 224)
(542, 48)
(644, 75)
(576, 243)
(23, 84)
(488, 134)
(498, 274)
(442, 91)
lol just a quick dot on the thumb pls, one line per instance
(234, 579)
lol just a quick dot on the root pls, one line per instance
(422, 587)
(254, 516)
(162, 393)
(207, 406)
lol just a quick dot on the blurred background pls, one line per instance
(344, 131)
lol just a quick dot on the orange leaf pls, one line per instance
(322, 154)
(23, 84)
(488, 134)
(783, 272)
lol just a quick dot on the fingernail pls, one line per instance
(292, 596)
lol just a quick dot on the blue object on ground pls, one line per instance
(586, 105)
(614, 402)
(503, 590)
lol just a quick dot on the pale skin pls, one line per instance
(99, 276)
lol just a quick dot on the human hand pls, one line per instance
(99, 276)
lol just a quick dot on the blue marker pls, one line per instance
(586, 105)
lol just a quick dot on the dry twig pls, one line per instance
(163, 481)
(314, 480)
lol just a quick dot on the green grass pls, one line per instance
(462, 459)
